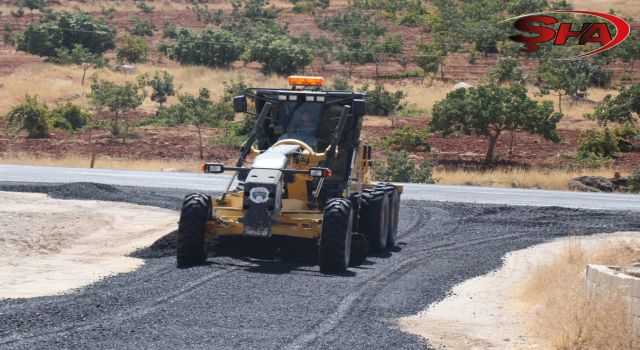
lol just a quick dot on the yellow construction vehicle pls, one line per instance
(309, 181)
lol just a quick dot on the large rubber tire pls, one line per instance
(374, 218)
(359, 249)
(191, 248)
(335, 239)
(394, 213)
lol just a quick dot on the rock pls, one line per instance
(125, 68)
(580, 187)
(591, 184)
(461, 85)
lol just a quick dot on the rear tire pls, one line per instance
(335, 239)
(191, 248)
(394, 213)
(374, 218)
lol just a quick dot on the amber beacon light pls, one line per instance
(296, 80)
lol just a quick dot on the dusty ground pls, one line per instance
(49, 246)
(488, 312)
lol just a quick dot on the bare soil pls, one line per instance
(50, 246)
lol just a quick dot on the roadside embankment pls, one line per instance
(537, 300)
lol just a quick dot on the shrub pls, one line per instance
(634, 181)
(141, 28)
(215, 48)
(342, 83)
(407, 138)
(626, 134)
(70, 117)
(144, 7)
(603, 143)
(383, 102)
(133, 50)
(169, 31)
(31, 116)
(233, 136)
(399, 168)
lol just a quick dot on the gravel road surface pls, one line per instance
(248, 303)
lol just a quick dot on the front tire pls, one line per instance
(335, 239)
(191, 248)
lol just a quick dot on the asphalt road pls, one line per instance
(249, 303)
(216, 183)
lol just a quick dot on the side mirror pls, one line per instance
(359, 108)
(240, 104)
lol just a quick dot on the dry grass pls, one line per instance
(517, 178)
(570, 319)
(187, 165)
(55, 83)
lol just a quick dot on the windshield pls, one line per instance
(301, 120)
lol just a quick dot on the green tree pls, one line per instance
(214, 48)
(508, 71)
(132, 50)
(80, 56)
(120, 100)
(70, 29)
(31, 116)
(199, 111)
(490, 110)
(521, 7)
(629, 50)
(563, 77)
(278, 54)
(622, 109)
(162, 87)
(390, 45)
(430, 58)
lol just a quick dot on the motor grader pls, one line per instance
(309, 181)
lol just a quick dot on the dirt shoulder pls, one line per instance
(489, 312)
(50, 246)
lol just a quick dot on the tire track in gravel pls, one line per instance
(383, 278)
(333, 320)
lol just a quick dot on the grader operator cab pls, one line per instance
(309, 181)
